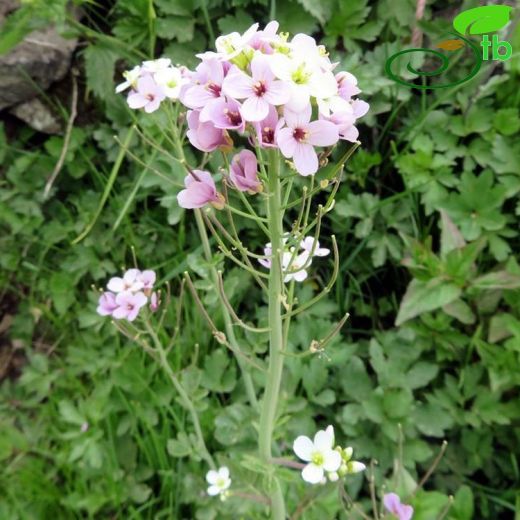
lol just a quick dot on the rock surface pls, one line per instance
(42, 58)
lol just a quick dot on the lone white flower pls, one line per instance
(218, 481)
(319, 454)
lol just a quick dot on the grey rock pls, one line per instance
(38, 116)
(42, 58)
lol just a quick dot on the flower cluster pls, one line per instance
(219, 482)
(393, 505)
(152, 82)
(295, 261)
(126, 296)
(325, 459)
(279, 92)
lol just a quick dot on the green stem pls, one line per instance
(276, 359)
(228, 322)
(188, 404)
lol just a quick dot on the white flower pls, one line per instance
(131, 77)
(154, 66)
(293, 268)
(218, 481)
(171, 81)
(308, 242)
(305, 79)
(319, 454)
(131, 281)
(230, 45)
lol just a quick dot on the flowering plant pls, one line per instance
(273, 109)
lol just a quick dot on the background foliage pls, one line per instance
(427, 229)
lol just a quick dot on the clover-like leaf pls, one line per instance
(480, 20)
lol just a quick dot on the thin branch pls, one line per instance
(66, 140)
(230, 309)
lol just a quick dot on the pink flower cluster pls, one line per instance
(278, 92)
(152, 82)
(126, 296)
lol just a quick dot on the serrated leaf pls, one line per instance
(321, 10)
(421, 297)
(99, 69)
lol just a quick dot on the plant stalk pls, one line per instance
(276, 358)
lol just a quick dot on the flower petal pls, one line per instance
(392, 502)
(303, 447)
(211, 476)
(255, 108)
(238, 85)
(305, 159)
(332, 460)
(213, 490)
(323, 440)
(312, 474)
(322, 133)
(286, 142)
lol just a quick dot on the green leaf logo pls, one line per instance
(480, 20)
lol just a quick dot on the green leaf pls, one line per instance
(421, 297)
(497, 280)
(179, 447)
(99, 69)
(463, 507)
(507, 121)
(431, 419)
(421, 374)
(460, 310)
(240, 21)
(176, 7)
(451, 237)
(218, 375)
(61, 286)
(69, 413)
(176, 27)
(480, 20)
(321, 10)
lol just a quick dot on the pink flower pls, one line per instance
(267, 129)
(243, 172)
(360, 107)
(347, 85)
(224, 114)
(129, 305)
(148, 95)
(131, 281)
(154, 301)
(300, 137)
(393, 505)
(308, 244)
(259, 91)
(106, 304)
(147, 278)
(206, 85)
(261, 39)
(200, 190)
(205, 136)
(344, 122)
